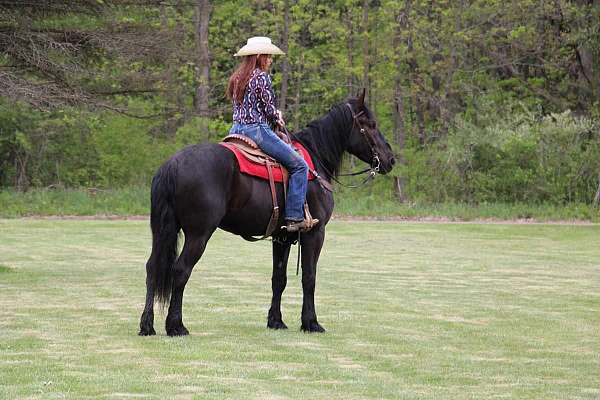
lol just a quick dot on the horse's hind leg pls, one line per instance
(281, 253)
(192, 251)
(147, 320)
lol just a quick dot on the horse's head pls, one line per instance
(366, 141)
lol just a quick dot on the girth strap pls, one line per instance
(275, 215)
(274, 220)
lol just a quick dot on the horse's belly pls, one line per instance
(251, 208)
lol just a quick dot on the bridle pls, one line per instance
(372, 170)
(375, 162)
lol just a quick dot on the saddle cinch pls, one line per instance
(253, 161)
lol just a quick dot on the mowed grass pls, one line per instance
(413, 311)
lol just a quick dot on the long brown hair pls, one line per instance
(239, 79)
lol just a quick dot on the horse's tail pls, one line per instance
(165, 231)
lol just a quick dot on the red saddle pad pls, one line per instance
(259, 170)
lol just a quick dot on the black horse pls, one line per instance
(200, 189)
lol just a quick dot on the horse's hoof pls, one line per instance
(272, 324)
(147, 331)
(313, 327)
(178, 331)
(147, 324)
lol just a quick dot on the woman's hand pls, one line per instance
(282, 136)
(280, 120)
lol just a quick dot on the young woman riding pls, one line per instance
(254, 112)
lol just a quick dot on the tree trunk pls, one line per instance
(202, 70)
(350, 52)
(597, 196)
(285, 70)
(299, 73)
(434, 103)
(414, 79)
(450, 99)
(373, 94)
(21, 180)
(350, 81)
(365, 35)
(399, 128)
(173, 94)
(589, 64)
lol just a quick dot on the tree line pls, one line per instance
(481, 100)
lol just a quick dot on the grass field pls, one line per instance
(413, 311)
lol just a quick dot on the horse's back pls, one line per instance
(204, 177)
(209, 159)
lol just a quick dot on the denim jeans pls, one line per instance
(271, 144)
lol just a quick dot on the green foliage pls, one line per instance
(524, 157)
(197, 129)
(44, 149)
(122, 202)
(499, 104)
(72, 148)
(123, 151)
(428, 176)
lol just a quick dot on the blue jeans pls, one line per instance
(271, 144)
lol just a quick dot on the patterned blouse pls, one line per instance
(258, 106)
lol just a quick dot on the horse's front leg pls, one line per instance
(281, 253)
(311, 243)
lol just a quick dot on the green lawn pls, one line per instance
(413, 311)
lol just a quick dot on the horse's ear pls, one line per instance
(361, 98)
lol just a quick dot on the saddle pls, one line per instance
(253, 161)
(251, 158)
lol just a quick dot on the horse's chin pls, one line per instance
(385, 169)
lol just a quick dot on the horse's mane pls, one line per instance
(326, 138)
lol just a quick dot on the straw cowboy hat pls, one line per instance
(259, 45)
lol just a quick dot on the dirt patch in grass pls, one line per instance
(345, 362)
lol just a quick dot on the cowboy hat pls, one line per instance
(259, 45)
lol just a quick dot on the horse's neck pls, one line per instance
(328, 139)
(339, 133)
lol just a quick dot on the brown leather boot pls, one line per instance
(302, 226)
